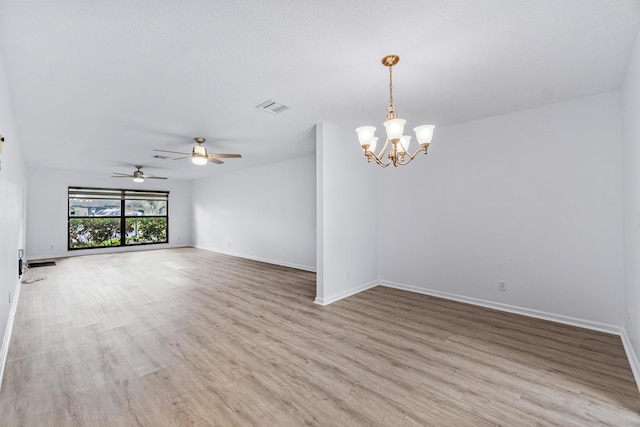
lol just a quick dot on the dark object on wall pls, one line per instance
(41, 264)
(20, 255)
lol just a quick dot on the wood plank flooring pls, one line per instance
(185, 337)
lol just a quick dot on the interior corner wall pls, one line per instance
(347, 215)
(631, 166)
(531, 198)
(47, 217)
(12, 214)
(265, 213)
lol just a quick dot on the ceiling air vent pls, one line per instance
(272, 107)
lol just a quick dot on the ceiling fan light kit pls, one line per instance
(398, 154)
(199, 154)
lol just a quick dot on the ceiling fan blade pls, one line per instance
(216, 161)
(122, 176)
(155, 177)
(224, 156)
(185, 157)
(167, 151)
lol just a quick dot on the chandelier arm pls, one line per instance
(406, 162)
(384, 148)
(421, 150)
(379, 161)
(412, 156)
(384, 165)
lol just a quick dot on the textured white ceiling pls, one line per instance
(96, 85)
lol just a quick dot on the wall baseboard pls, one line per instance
(558, 318)
(265, 260)
(345, 294)
(4, 350)
(632, 356)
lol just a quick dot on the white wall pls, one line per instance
(347, 215)
(12, 214)
(264, 213)
(532, 198)
(631, 158)
(47, 216)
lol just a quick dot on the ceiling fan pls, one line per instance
(138, 176)
(199, 155)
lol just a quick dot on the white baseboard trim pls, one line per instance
(266, 260)
(632, 356)
(345, 294)
(567, 320)
(4, 350)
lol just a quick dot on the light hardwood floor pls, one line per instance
(188, 337)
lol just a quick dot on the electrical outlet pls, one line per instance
(629, 317)
(502, 286)
(9, 297)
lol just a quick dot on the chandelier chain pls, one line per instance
(391, 87)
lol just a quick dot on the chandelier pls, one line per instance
(398, 154)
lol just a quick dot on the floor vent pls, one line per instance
(272, 107)
(41, 264)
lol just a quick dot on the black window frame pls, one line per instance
(123, 195)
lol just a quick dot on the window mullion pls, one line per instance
(123, 222)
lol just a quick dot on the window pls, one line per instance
(100, 217)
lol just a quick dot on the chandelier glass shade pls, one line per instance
(398, 154)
